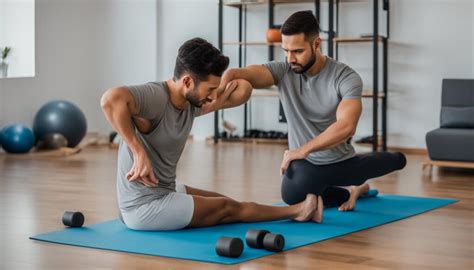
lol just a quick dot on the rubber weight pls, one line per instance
(73, 219)
(254, 238)
(229, 247)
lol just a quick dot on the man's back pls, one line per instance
(170, 128)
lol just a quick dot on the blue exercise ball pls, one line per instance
(61, 117)
(17, 138)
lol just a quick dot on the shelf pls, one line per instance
(369, 144)
(267, 92)
(252, 43)
(273, 92)
(234, 3)
(257, 43)
(370, 94)
(356, 39)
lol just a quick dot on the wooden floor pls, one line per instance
(35, 192)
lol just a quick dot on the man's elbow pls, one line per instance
(350, 131)
(105, 100)
(246, 90)
(109, 97)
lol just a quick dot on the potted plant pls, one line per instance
(3, 65)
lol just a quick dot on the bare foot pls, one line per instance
(318, 215)
(355, 191)
(307, 208)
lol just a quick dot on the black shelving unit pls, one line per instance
(333, 42)
(375, 94)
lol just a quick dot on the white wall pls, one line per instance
(17, 31)
(84, 47)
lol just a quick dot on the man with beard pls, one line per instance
(154, 121)
(321, 98)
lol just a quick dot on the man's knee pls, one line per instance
(401, 160)
(290, 192)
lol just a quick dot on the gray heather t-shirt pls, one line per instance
(163, 144)
(310, 104)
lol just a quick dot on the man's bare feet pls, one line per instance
(307, 208)
(318, 215)
(355, 191)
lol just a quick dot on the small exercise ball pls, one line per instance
(61, 117)
(52, 141)
(273, 35)
(17, 139)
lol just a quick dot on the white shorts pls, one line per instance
(174, 211)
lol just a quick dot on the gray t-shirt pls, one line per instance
(310, 104)
(163, 144)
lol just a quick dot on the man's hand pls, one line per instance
(226, 78)
(142, 171)
(223, 99)
(223, 95)
(288, 157)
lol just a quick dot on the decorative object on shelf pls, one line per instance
(274, 34)
(5, 52)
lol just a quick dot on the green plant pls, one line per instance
(5, 52)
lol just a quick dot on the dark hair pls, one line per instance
(301, 22)
(200, 59)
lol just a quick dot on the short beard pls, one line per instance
(306, 67)
(193, 99)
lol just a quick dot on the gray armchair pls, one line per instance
(454, 140)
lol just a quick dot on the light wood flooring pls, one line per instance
(35, 192)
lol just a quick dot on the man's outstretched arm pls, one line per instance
(235, 93)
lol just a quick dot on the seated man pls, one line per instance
(154, 121)
(321, 98)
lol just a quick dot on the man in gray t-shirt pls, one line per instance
(154, 121)
(321, 98)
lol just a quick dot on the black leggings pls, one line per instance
(303, 177)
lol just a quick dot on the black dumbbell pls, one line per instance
(229, 247)
(254, 238)
(273, 242)
(265, 239)
(73, 219)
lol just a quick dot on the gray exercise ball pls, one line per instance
(61, 117)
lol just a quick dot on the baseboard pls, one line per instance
(408, 150)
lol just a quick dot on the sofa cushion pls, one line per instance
(454, 144)
(457, 117)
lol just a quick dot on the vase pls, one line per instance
(3, 70)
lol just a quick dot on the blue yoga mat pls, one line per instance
(198, 244)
